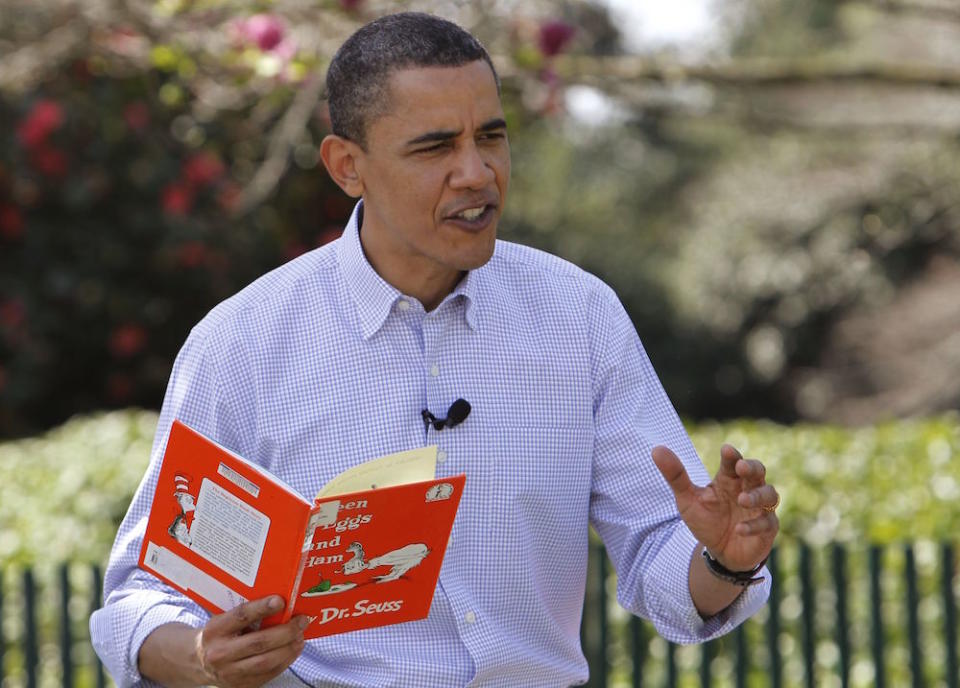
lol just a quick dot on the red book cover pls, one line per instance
(223, 531)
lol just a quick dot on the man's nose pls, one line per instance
(470, 170)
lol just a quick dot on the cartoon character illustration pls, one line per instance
(402, 560)
(180, 528)
(439, 491)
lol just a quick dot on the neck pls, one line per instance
(421, 279)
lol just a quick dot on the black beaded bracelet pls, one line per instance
(742, 578)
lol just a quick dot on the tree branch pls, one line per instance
(925, 10)
(751, 72)
(282, 139)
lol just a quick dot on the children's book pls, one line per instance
(365, 552)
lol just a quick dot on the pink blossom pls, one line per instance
(13, 314)
(137, 116)
(192, 254)
(266, 30)
(176, 199)
(554, 36)
(11, 222)
(119, 387)
(44, 118)
(127, 340)
(49, 161)
(203, 169)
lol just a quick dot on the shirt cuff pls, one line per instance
(675, 615)
(151, 609)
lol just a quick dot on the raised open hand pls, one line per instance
(734, 515)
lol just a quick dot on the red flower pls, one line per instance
(294, 249)
(177, 199)
(137, 115)
(119, 387)
(202, 169)
(230, 196)
(554, 36)
(350, 5)
(49, 161)
(192, 254)
(127, 340)
(11, 222)
(12, 314)
(44, 118)
(266, 30)
(329, 234)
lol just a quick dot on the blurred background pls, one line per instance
(770, 185)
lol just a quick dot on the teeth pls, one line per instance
(471, 213)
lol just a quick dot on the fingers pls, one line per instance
(244, 616)
(263, 667)
(763, 497)
(671, 468)
(260, 642)
(729, 456)
(766, 523)
(250, 658)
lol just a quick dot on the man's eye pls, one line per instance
(492, 136)
(434, 148)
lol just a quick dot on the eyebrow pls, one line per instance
(446, 135)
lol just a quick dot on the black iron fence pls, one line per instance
(838, 616)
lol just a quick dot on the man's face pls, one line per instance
(435, 174)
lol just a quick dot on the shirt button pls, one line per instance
(403, 305)
(470, 617)
(441, 456)
(435, 370)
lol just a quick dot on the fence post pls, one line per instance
(706, 657)
(30, 654)
(876, 616)
(601, 656)
(671, 665)
(839, 560)
(743, 657)
(3, 641)
(593, 631)
(96, 592)
(638, 645)
(773, 622)
(913, 621)
(66, 637)
(949, 614)
(807, 600)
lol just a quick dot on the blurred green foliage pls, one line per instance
(885, 483)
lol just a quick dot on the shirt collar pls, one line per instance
(374, 296)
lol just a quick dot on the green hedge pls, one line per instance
(890, 482)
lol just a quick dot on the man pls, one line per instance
(331, 358)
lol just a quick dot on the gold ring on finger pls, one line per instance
(775, 505)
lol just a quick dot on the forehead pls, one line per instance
(453, 98)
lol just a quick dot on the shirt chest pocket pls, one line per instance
(542, 472)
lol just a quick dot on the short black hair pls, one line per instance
(357, 79)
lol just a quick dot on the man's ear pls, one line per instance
(339, 156)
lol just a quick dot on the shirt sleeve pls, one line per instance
(632, 508)
(136, 602)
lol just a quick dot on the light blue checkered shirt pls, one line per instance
(321, 364)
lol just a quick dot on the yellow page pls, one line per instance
(411, 466)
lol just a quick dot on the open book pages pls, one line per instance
(411, 466)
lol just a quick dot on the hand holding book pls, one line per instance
(367, 552)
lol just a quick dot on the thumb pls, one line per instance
(672, 470)
(244, 616)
